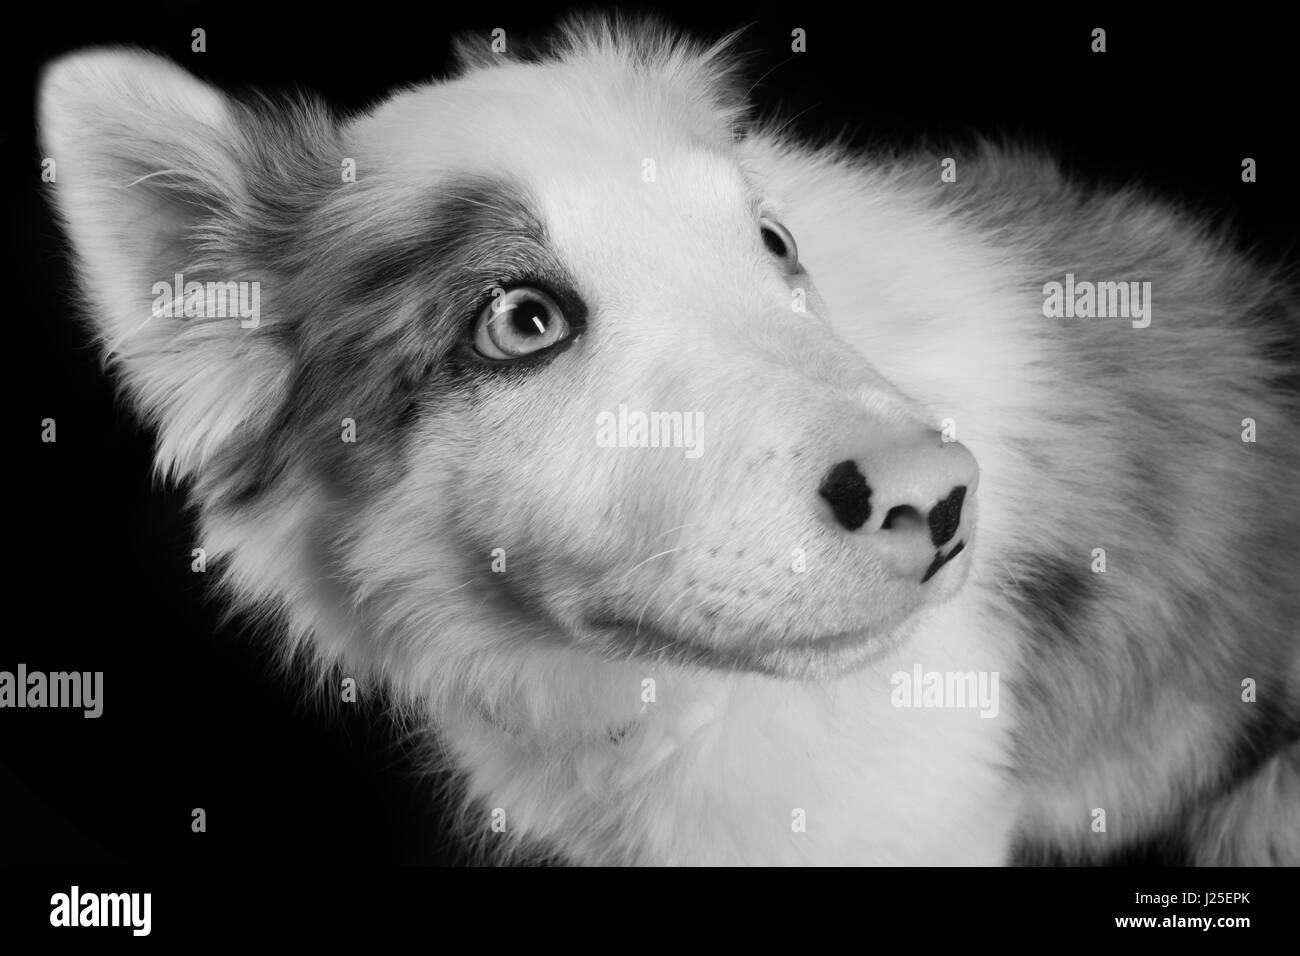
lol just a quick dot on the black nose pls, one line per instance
(908, 506)
(906, 498)
(849, 496)
(847, 492)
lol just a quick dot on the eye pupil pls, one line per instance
(775, 244)
(529, 318)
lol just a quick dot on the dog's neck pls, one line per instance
(742, 768)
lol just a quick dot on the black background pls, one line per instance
(99, 574)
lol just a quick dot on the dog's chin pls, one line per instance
(813, 657)
(793, 655)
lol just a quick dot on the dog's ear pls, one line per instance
(153, 178)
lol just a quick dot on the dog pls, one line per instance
(700, 492)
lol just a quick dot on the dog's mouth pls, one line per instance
(814, 656)
(792, 654)
(940, 559)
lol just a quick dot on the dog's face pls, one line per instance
(589, 376)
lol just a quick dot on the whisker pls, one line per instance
(685, 592)
(769, 73)
(656, 650)
(645, 606)
(649, 559)
(456, 588)
(783, 126)
(160, 172)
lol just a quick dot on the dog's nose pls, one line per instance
(908, 497)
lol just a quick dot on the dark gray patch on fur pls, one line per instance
(1164, 850)
(1266, 733)
(1054, 593)
(382, 315)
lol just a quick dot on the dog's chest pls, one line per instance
(752, 771)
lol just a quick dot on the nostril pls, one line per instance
(902, 517)
(847, 492)
(945, 517)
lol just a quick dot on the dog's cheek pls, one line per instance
(527, 477)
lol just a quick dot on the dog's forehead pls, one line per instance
(675, 209)
(604, 163)
(558, 125)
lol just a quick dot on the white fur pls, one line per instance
(538, 719)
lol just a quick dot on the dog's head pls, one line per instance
(535, 341)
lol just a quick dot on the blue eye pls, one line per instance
(521, 322)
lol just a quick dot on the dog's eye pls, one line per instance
(519, 323)
(781, 244)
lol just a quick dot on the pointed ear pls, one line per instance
(152, 179)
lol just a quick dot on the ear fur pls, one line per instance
(153, 178)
